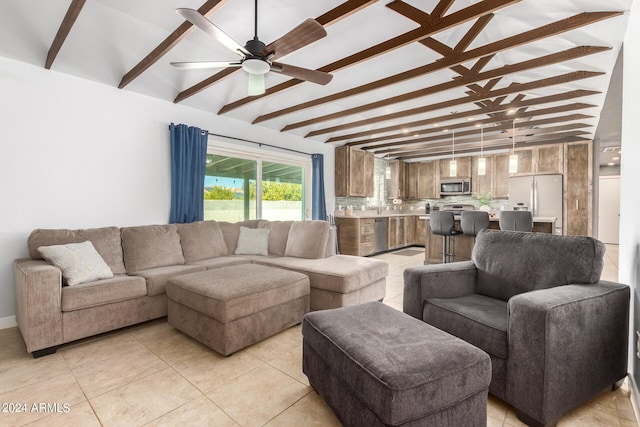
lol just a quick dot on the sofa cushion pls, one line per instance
(101, 292)
(106, 240)
(339, 273)
(512, 262)
(158, 277)
(278, 235)
(307, 239)
(151, 246)
(253, 241)
(223, 261)
(230, 233)
(79, 262)
(201, 240)
(479, 320)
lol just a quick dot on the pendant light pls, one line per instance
(482, 162)
(453, 165)
(513, 158)
(387, 169)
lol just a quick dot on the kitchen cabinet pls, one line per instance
(419, 235)
(396, 234)
(356, 236)
(501, 176)
(463, 168)
(543, 159)
(409, 230)
(420, 178)
(578, 189)
(482, 183)
(396, 182)
(354, 172)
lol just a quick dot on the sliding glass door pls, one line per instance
(239, 188)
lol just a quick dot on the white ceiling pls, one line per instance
(111, 36)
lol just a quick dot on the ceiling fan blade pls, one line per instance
(306, 33)
(210, 28)
(205, 64)
(299, 73)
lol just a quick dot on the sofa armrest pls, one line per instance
(566, 344)
(450, 280)
(38, 303)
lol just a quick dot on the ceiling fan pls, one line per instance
(256, 58)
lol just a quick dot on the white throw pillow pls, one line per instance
(79, 262)
(253, 241)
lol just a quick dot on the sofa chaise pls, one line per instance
(142, 259)
(556, 334)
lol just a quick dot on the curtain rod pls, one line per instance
(260, 144)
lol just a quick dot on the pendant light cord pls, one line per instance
(481, 140)
(453, 144)
(513, 147)
(255, 26)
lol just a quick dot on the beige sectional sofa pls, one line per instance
(144, 258)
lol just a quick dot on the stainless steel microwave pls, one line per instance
(455, 186)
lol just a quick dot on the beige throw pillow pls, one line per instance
(79, 262)
(253, 241)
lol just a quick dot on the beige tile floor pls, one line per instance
(153, 375)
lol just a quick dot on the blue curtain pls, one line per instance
(318, 201)
(188, 162)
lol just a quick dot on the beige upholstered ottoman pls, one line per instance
(230, 308)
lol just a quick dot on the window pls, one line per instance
(239, 186)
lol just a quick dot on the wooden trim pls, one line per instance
(208, 8)
(65, 27)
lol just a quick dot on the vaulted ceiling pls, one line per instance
(410, 77)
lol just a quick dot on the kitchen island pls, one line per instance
(461, 245)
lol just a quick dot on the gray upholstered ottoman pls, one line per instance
(230, 308)
(377, 366)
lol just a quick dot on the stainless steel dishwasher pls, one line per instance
(382, 225)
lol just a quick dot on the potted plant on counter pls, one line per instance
(484, 199)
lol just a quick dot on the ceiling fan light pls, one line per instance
(256, 66)
(482, 166)
(256, 84)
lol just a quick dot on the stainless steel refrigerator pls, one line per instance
(542, 194)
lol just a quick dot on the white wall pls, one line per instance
(629, 262)
(79, 154)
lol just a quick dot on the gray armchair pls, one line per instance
(556, 334)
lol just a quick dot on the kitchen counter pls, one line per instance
(374, 214)
(541, 219)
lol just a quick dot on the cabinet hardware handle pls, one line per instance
(577, 204)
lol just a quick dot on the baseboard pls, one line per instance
(8, 322)
(635, 396)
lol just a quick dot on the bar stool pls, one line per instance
(442, 224)
(516, 220)
(473, 221)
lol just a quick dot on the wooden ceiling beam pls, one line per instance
(427, 155)
(207, 9)
(445, 139)
(449, 61)
(455, 116)
(371, 143)
(65, 27)
(450, 21)
(553, 58)
(441, 8)
(474, 145)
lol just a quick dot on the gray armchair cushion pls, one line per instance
(512, 262)
(479, 320)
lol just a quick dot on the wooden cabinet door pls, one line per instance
(400, 236)
(426, 180)
(409, 230)
(341, 171)
(501, 175)
(356, 173)
(577, 203)
(411, 181)
(463, 168)
(392, 233)
(549, 159)
(419, 235)
(367, 236)
(395, 184)
(368, 174)
(482, 183)
(525, 162)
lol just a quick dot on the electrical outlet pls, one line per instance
(638, 344)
